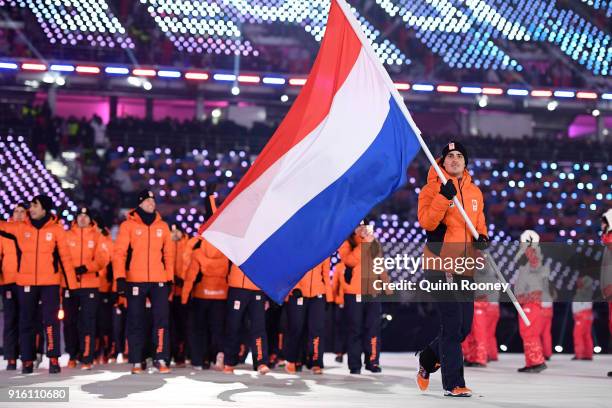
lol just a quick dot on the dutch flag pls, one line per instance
(343, 147)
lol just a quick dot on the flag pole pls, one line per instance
(400, 103)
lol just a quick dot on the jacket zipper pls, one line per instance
(148, 253)
(36, 260)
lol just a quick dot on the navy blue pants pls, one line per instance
(455, 324)
(306, 318)
(10, 307)
(137, 332)
(80, 311)
(104, 325)
(363, 331)
(208, 323)
(178, 329)
(118, 344)
(28, 297)
(339, 329)
(242, 303)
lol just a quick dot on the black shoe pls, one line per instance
(547, 358)
(609, 373)
(54, 367)
(339, 358)
(28, 367)
(574, 358)
(206, 365)
(533, 369)
(375, 368)
(298, 367)
(11, 365)
(356, 371)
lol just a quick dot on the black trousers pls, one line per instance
(339, 329)
(29, 297)
(104, 325)
(208, 323)
(242, 303)
(10, 307)
(119, 342)
(178, 329)
(455, 324)
(364, 328)
(80, 312)
(137, 332)
(306, 318)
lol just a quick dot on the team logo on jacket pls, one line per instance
(138, 232)
(159, 232)
(49, 236)
(475, 205)
(27, 235)
(72, 243)
(90, 244)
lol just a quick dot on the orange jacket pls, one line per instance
(337, 274)
(443, 221)
(237, 279)
(85, 249)
(8, 261)
(143, 253)
(45, 255)
(179, 262)
(316, 282)
(107, 245)
(361, 283)
(214, 266)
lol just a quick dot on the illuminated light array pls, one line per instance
(402, 86)
(586, 95)
(447, 88)
(144, 72)
(541, 93)
(83, 69)
(198, 76)
(464, 34)
(297, 81)
(169, 74)
(117, 70)
(604, 5)
(24, 176)
(214, 27)
(492, 91)
(28, 66)
(62, 68)
(77, 22)
(274, 81)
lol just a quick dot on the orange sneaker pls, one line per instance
(263, 369)
(290, 368)
(136, 369)
(458, 392)
(161, 366)
(72, 364)
(228, 369)
(422, 379)
(317, 370)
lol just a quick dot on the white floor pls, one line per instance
(565, 384)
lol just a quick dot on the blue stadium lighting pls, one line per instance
(607, 96)
(8, 65)
(471, 90)
(517, 92)
(224, 77)
(62, 68)
(423, 87)
(117, 70)
(274, 81)
(564, 94)
(168, 74)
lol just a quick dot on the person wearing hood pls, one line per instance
(143, 266)
(448, 234)
(44, 259)
(80, 304)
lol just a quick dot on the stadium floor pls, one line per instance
(565, 384)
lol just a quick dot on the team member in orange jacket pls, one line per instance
(144, 257)
(81, 303)
(104, 317)
(206, 282)
(178, 311)
(8, 291)
(245, 298)
(38, 278)
(306, 308)
(363, 317)
(444, 224)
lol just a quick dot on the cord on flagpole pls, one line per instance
(400, 102)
